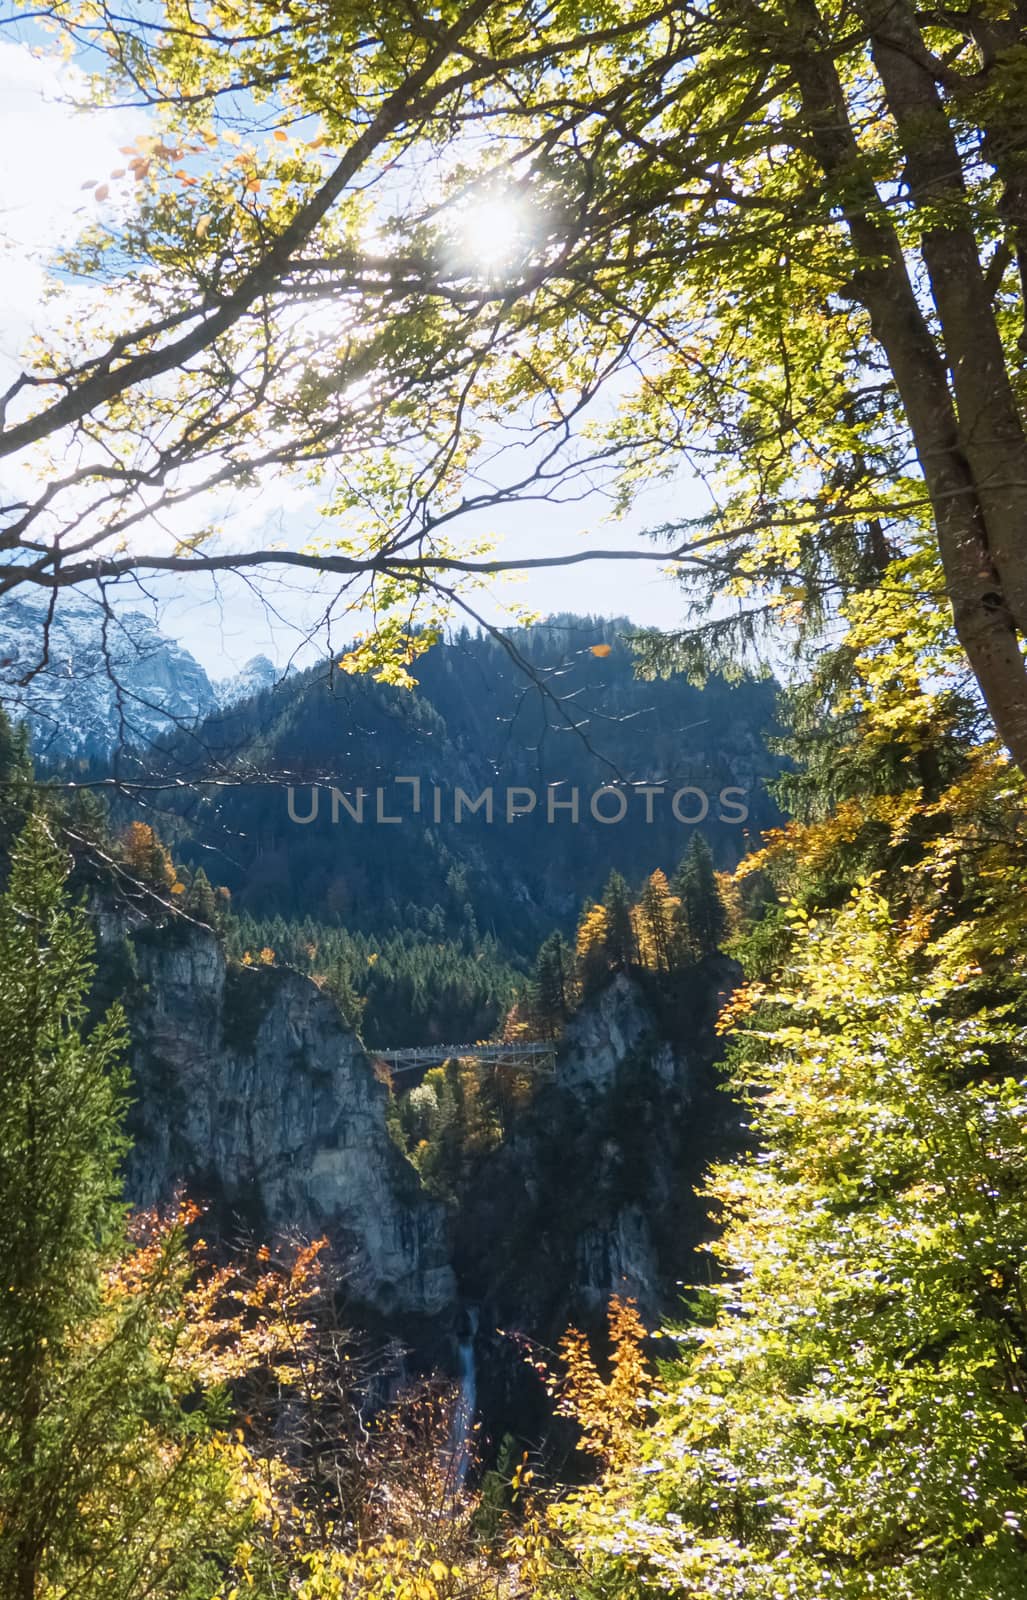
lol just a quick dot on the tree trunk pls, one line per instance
(983, 617)
(990, 432)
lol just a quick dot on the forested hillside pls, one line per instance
(557, 709)
(705, 1278)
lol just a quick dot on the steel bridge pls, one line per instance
(534, 1052)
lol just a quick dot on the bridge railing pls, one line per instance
(418, 1055)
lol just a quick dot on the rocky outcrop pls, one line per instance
(253, 1095)
(608, 1031)
(594, 1192)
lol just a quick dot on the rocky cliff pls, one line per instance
(593, 1195)
(253, 1096)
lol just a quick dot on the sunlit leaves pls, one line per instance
(853, 1420)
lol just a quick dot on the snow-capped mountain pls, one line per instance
(98, 680)
(258, 673)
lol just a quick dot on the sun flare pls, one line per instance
(495, 232)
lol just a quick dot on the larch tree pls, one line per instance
(655, 920)
(591, 949)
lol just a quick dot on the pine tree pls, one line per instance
(199, 900)
(621, 946)
(702, 915)
(15, 778)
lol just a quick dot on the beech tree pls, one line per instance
(792, 235)
(847, 1414)
(284, 290)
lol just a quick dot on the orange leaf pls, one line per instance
(601, 649)
(101, 193)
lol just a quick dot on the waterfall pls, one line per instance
(463, 1412)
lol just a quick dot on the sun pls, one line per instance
(495, 232)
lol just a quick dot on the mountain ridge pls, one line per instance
(250, 796)
(92, 680)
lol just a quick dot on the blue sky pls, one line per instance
(43, 202)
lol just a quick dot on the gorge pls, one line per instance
(254, 1097)
(474, 1208)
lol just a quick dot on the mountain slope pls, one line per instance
(400, 845)
(90, 681)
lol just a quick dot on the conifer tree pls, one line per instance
(109, 1485)
(200, 901)
(147, 856)
(620, 934)
(551, 991)
(656, 923)
(62, 1100)
(702, 917)
(593, 961)
(15, 777)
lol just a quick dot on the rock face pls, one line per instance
(93, 682)
(593, 1195)
(604, 1034)
(253, 1095)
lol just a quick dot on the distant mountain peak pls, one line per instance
(259, 673)
(99, 679)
